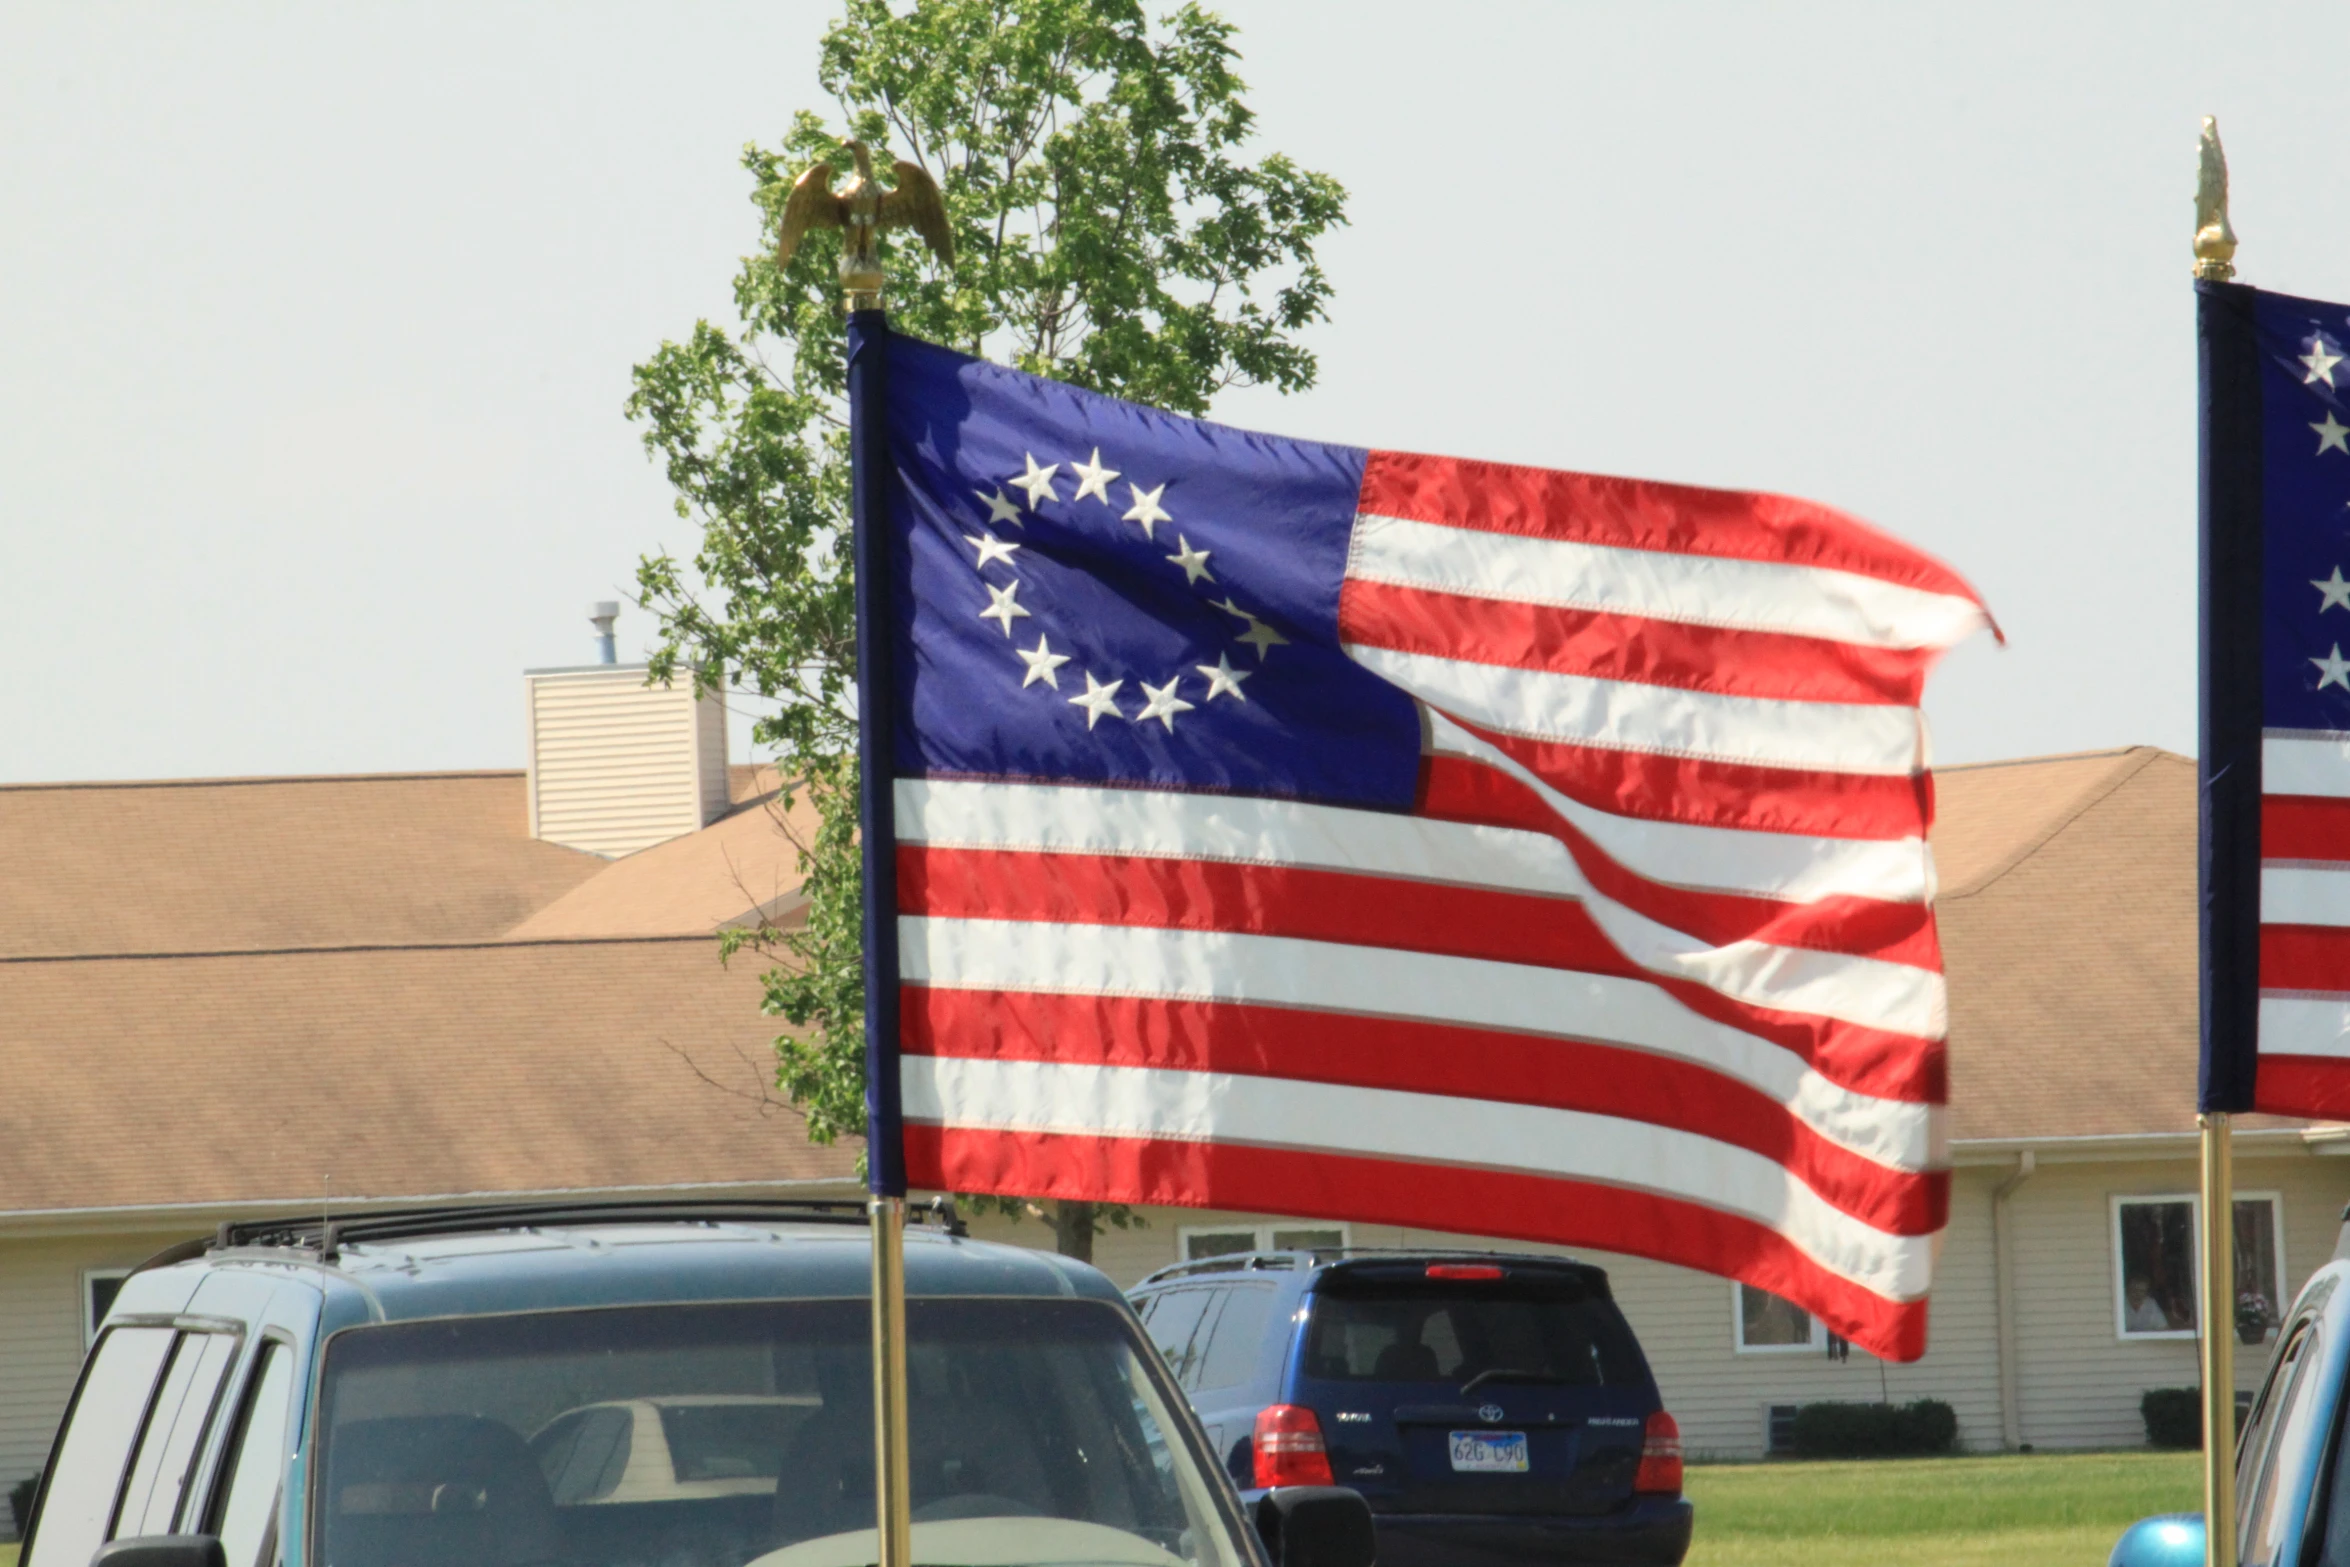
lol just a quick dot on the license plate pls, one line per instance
(1489, 1452)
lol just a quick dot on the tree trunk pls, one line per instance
(1073, 1229)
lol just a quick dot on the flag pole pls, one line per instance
(2227, 967)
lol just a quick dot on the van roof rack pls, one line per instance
(324, 1237)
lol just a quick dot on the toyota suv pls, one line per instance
(608, 1386)
(1491, 1407)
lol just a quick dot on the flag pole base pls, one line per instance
(892, 1463)
(2219, 1344)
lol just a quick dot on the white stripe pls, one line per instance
(1282, 971)
(2303, 895)
(2305, 1026)
(1248, 831)
(2306, 766)
(1625, 715)
(1728, 859)
(1039, 1096)
(1703, 590)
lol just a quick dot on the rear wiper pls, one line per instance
(1505, 1374)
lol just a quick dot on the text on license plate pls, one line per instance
(1489, 1452)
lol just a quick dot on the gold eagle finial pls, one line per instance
(2215, 242)
(861, 209)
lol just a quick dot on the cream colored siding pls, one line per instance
(41, 1336)
(617, 765)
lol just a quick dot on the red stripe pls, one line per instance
(2304, 957)
(2314, 1086)
(1699, 793)
(1762, 664)
(1387, 1191)
(2300, 827)
(1637, 514)
(1366, 911)
(1457, 789)
(1421, 1058)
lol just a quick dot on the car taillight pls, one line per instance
(1660, 1457)
(1289, 1448)
(1463, 1270)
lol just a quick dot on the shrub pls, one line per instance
(20, 1501)
(1874, 1430)
(2173, 1416)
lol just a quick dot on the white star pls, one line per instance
(990, 548)
(2320, 363)
(1093, 479)
(1038, 482)
(1230, 608)
(1223, 679)
(2332, 435)
(1194, 562)
(2336, 591)
(1041, 661)
(1002, 607)
(1146, 509)
(1164, 704)
(2332, 670)
(1000, 507)
(1261, 637)
(1097, 700)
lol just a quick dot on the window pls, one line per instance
(99, 1287)
(183, 1413)
(249, 1506)
(2156, 1266)
(1779, 1427)
(2279, 1424)
(1545, 1331)
(1200, 1244)
(1771, 1324)
(103, 1423)
(1175, 1327)
(1238, 1336)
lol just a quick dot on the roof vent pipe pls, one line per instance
(601, 615)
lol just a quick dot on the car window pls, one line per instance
(1238, 1334)
(2281, 1429)
(86, 1480)
(1174, 1327)
(257, 1460)
(184, 1406)
(1538, 1330)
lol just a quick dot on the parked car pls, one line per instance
(1491, 1407)
(607, 1386)
(2292, 1462)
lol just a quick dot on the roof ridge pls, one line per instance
(2050, 756)
(490, 945)
(257, 779)
(2146, 757)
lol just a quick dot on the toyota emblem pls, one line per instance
(1489, 1412)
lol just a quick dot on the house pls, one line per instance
(242, 996)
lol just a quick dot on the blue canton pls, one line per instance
(1088, 591)
(2305, 510)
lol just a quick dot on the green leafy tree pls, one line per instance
(1111, 230)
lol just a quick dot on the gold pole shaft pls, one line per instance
(892, 1466)
(2219, 1345)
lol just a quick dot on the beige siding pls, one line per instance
(617, 765)
(41, 1335)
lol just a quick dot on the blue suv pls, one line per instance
(649, 1385)
(1492, 1408)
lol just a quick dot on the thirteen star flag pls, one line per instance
(1357, 835)
(2275, 751)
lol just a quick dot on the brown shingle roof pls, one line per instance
(271, 863)
(738, 870)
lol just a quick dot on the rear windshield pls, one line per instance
(1547, 1330)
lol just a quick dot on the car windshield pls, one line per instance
(1469, 1333)
(727, 1434)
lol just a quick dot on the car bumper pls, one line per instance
(1648, 1532)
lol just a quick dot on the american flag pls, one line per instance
(1351, 834)
(2276, 741)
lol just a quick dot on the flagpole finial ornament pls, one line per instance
(2215, 242)
(861, 209)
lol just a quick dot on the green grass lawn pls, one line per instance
(2026, 1510)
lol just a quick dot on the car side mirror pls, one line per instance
(1316, 1526)
(2165, 1540)
(162, 1550)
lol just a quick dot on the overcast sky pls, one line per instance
(316, 321)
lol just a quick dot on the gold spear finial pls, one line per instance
(2215, 242)
(861, 209)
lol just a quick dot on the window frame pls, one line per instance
(1816, 1344)
(1260, 1236)
(249, 1378)
(2116, 1201)
(90, 1318)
